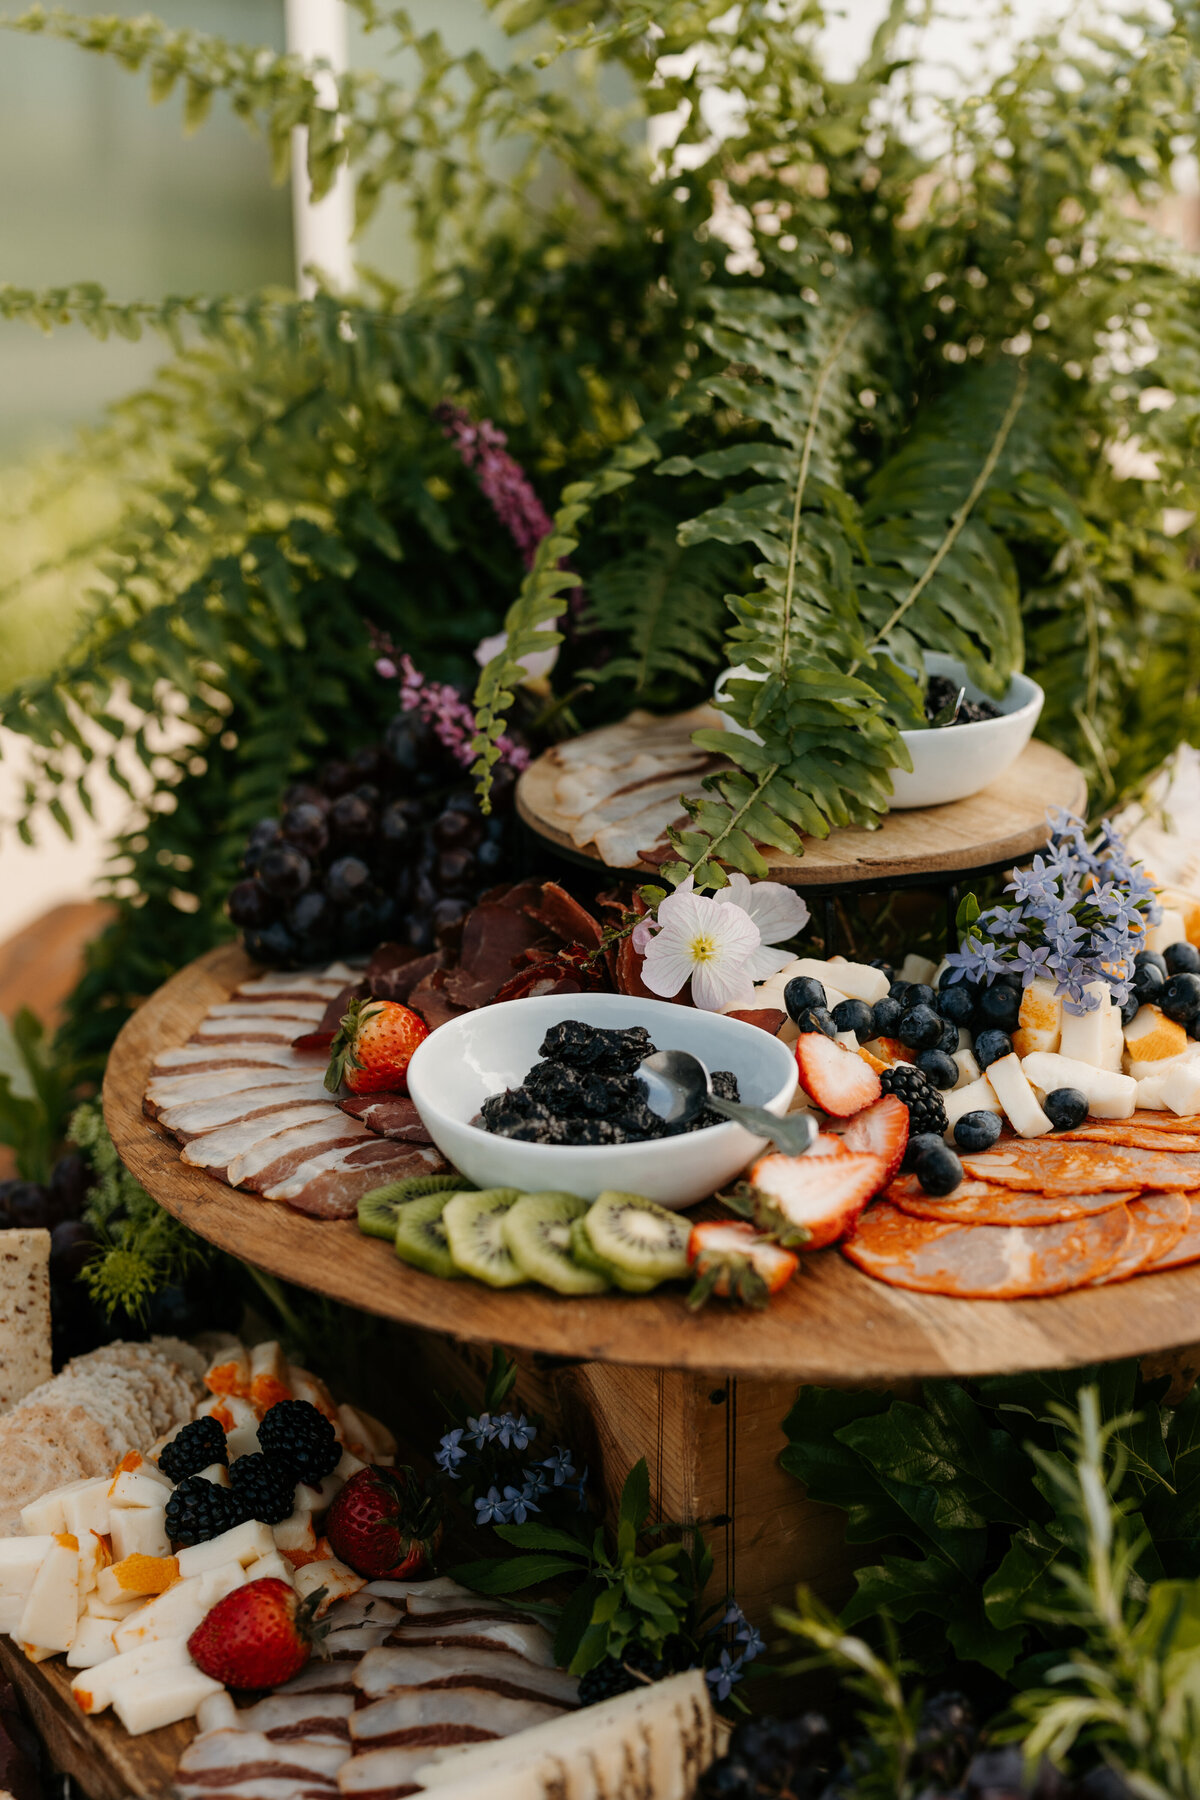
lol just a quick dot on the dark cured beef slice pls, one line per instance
(494, 939)
(335, 1193)
(391, 1115)
(401, 981)
(430, 1000)
(562, 914)
(767, 1018)
(540, 979)
(324, 1031)
(388, 958)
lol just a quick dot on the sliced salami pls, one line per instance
(986, 1262)
(1133, 1137)
(330, 1187)
(1048, 1166)
(986, 1203)
(1185, 1250)
(1158, 1223)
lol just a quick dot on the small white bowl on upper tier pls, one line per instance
(951, 762)
(464, 1061)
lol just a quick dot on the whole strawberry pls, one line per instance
(258, 1636)
(373, 1047)
(385, 1525)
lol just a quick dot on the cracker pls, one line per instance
(24, 1313)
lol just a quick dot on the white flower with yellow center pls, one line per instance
(722, 945)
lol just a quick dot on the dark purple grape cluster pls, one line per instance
(389, 844)
(57, 1206)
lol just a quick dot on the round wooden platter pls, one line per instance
(832, 1325)
(1002, 824)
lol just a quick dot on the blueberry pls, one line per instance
(1148, 982)
(1182, 959)
(957, 1003)
(1180, 998)
(941, 1069)
(1009, 978)
(949, 1038)
(899, 991)
(855, 1016)
(938, 1169)
(885, 968)
(815, 1018)
(917, 1146)
(920, 1028)
(1066, 1108)
(977, 1130)
(990, 1046)
(802, 992)
(1130, 1010)
(1151, 959)
(888, 1014)
(919, 994)
(999, 1006)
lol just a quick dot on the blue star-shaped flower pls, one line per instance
(451, 1453)
(725, 1672)
(492, 1509)
(518, 1505)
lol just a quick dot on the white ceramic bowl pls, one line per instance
(956, 761)
(484, 1052)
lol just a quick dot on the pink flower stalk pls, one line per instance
(504, 482)
(444, 709)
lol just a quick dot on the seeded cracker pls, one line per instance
(24, 1314)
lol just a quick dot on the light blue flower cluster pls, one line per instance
(508, 1504)
(730, 1666)
(1078, 917)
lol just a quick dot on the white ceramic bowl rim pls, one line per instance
(1022, 690)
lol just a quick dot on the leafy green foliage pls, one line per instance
(35, 1090)
(961, 1478)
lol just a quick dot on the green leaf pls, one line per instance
(533, 1536)
(1022, 1579)
(635, 1497)
(510, 1575)
(901, 1587)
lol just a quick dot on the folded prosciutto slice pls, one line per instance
(461, 1665)
(405, 1712)
(282, 1717)
(219, 1761)
(523, 1637)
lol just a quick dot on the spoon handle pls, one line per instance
(793, 1134)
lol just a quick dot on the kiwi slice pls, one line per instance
(379, 1211)
(538, 1234)
(474, 1233)
(420, 1235)
(638, 1236)
(585, 1254)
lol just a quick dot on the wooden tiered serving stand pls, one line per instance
(701, 1397)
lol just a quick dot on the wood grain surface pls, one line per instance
(98, 1752)
(1005, 822)
(831, 1325)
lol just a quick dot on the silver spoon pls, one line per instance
(677, 1086)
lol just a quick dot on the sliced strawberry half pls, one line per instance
(813, 1201)
(827, 1143)
(737, 1262)
(882, 1130)
(838, 1079)
(888, 1050)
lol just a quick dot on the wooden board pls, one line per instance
(97, 1752)
(832, 1325)
(1005, 822)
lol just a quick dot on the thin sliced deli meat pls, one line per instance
(304, 1010)
(525, 1638)
(1185, 1250)
(986, 1262)
(286, 1716)
(220, 1056)
(216, 1759)
(1133, 1137)
(331, 1186)
(986, 1203)
(388, 1774)
(277, 1158)
(389, 1115)
(401, 1714)
(1048, 1166)
(1159, 1222)
(459, 1666)
(171, 1090)
(194, 1118)
(215, 1150)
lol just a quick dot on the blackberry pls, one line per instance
(620, 1674)
(772, 1757)
(295, 1431)
(199, 1510)
(926, 1113)
(265, 1485)
(198, 1446)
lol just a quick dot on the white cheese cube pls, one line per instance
(11, 1609)
(45, 1517)
(231, 1408)
(1170, 929)
(244, 1544)
(93, 1644)
(20, 1560)
(1109, 1096)
(217, 1473)
(148, 1702)
(1040, 1024)
(217, 1713)
(846, 1039)
(317, 1499)
(350, 1464)
(1085, 1037)
(131, 1487)
(86, 1510)
(968, 1069)
(267, 1361)
(1149, 1092)
(917, 968)
(976, 1096)
(139, 1581)
(241, 1441)
(1017, 1097)
(50, 1615)
(270, 1567)
(173, 1614)
(295, 1535)
(93, 1688)
(855, 980)
(139, 1530)
(1152, 1041)
(1181, 1087)
(330, 1574)
(97, 1607)
(136, 1464)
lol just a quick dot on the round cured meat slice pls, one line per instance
(986, 1262)
(986, 1203)
(1133, 1137)
(1158, 1223)
(1185, 1250)
(1048, 1166)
